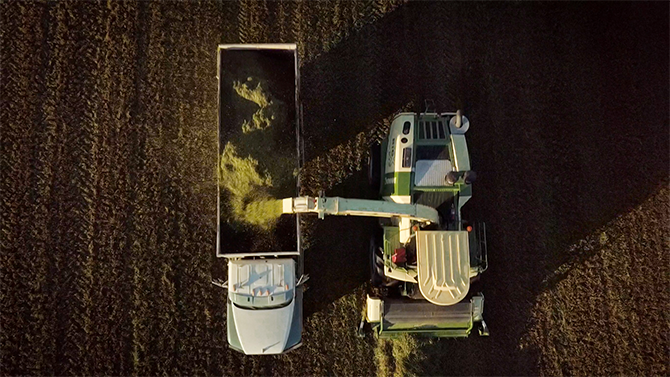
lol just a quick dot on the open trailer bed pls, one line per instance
(246, 72)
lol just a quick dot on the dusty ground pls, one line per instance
(108, 181)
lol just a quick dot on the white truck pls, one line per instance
(263, 287)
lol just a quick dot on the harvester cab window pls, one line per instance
(406, 127)
(432, 152)
(406, 157)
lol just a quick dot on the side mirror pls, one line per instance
(220, 283)
(303, 279)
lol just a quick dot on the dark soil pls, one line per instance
(109, 150)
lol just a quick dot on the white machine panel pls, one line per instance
(443, 264)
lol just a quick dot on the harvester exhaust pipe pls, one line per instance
(459, 119)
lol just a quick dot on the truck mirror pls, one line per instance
(303, 279)
(220, 283)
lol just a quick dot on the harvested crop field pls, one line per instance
(109, 165)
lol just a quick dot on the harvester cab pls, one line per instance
(423, 272)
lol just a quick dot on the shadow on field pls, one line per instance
(337, 259)
(569, 111)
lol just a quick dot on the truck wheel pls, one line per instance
(374, 166)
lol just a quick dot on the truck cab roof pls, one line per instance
(264, 307)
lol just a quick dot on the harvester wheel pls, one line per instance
(376, 261)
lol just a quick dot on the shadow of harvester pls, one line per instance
(568, 105)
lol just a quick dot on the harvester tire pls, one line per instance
(376, 260)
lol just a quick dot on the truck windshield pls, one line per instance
(246, 301)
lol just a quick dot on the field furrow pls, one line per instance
(16, 73)
(75, 189)
(109, 283)
(38, 244)
(251, 21)
(152, 314)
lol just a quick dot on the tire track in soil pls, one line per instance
(11, 208)
(101, 259)
(298, 28)
(200, 201)
(191, 282)
(48, 156)
(165, 306)
(117, 265)
(203, 208)
(251, 22)
(142, 207)
(76, 192)
(229, 22)
(37, 245)
(22, 290)
(283, 12)
(111, 284)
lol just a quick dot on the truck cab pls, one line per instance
(264, 306)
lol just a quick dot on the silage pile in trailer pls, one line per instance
(269, 110)
(251, 167)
